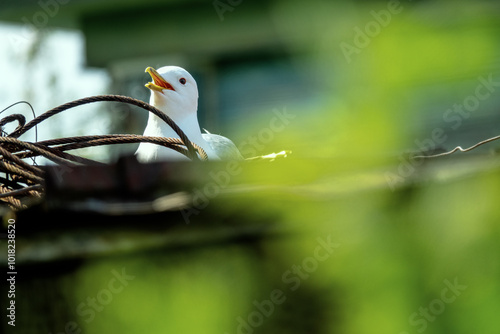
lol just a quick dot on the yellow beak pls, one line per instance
(158, 84)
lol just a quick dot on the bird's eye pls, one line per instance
(182, 81)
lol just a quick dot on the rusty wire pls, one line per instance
(23, 183)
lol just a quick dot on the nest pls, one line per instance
(22, 183)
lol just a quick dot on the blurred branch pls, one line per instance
(459, 148)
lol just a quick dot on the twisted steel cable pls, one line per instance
(24, 182)
(110, 98)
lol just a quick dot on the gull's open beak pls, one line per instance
(158, 84)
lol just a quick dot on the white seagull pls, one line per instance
(174, 91)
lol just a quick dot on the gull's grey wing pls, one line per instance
(223, 147)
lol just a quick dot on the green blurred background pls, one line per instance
(362, 81)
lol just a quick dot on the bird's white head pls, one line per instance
(173, 90)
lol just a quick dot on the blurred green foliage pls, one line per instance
(397, 249)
